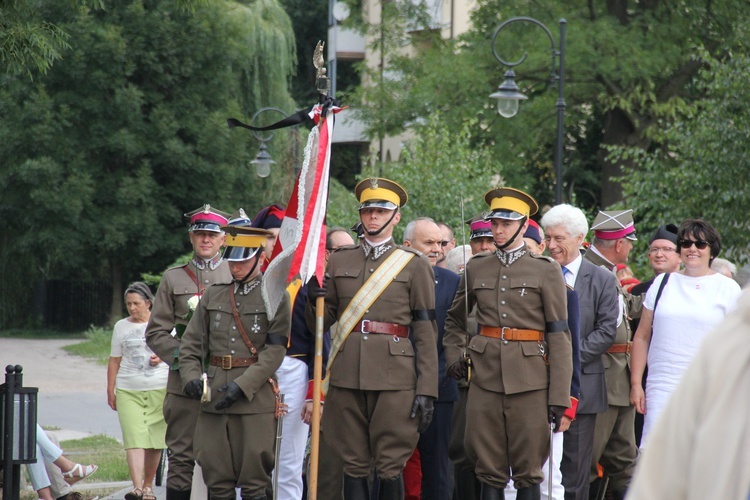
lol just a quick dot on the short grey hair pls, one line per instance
(457, 257)
(411, 226)
(569, 217)
(719, 265)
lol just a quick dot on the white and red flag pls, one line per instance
(300, 248)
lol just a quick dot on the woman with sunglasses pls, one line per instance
(691, 303)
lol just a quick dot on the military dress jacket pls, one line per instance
(597, 299)
(378, 362)
(529, 294)
(212, 331)
(171, 309)
(617, 365)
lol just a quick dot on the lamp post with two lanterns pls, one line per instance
(508, 94)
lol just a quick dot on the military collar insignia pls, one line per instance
(245, 288)
(508, 258)
(210, 264)
(377, 251)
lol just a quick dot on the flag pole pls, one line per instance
(317, 382)
(323, 86)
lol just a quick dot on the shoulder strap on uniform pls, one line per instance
(192, 276)
(364, 298)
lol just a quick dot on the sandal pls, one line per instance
(136, 494)
(148, 493)
(79, 472)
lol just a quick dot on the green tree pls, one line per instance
(630, 69)
(702, 169)
(102, 155)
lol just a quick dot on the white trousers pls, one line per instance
(293, 380)
(46, 451)
(558, 492)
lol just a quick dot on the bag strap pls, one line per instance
(236, 314)
(658, 294)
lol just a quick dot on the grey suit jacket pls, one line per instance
(597, 297)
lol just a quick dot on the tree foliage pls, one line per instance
(630, 68)
(702, 169)
(102, 155)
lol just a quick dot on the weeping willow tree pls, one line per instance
(103, 154)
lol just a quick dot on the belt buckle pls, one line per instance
(226, 362)
(628, 347)
(502, 334)
(362, 328)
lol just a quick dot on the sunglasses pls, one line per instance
(700, 244)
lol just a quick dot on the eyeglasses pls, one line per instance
(664, 250)
(700, 244)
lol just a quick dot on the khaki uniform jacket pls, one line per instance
(223, 338)
(171, 309)
(529, 294)
(377, 362)
(617, 365)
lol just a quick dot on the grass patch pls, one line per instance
(104, 451)
(24, 333)
(96, 346)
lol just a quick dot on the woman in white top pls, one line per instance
(691, 304)
(136, 386)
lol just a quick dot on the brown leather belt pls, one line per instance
(506, 333)
(227, 362)
(621, 348)
(367, 326)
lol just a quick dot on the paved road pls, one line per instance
(72, 390)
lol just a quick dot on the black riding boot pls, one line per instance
(490, 493)
(392, 489)
(533, 492)
(356, 488)
(178, 494)
(466, 486)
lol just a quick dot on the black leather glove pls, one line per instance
(425, 405)
(314, 290)
(232, 394)
(459, 370)
(555, 415)
(194, 389)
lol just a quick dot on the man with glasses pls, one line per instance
(447, 242)
(614, 435)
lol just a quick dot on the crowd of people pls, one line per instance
(514, 366)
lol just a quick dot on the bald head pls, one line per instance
(424, 235)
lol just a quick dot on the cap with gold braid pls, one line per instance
(380, 193)
(207, 218)
(242, 242)
(510, 204)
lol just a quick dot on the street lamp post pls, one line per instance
(508, 94)
(263, 160)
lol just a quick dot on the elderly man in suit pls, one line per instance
(565, 227)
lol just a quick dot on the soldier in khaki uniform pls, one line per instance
(383, 377)
(177, 286)
(235, 433)
(614, 434)
(521, 359)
